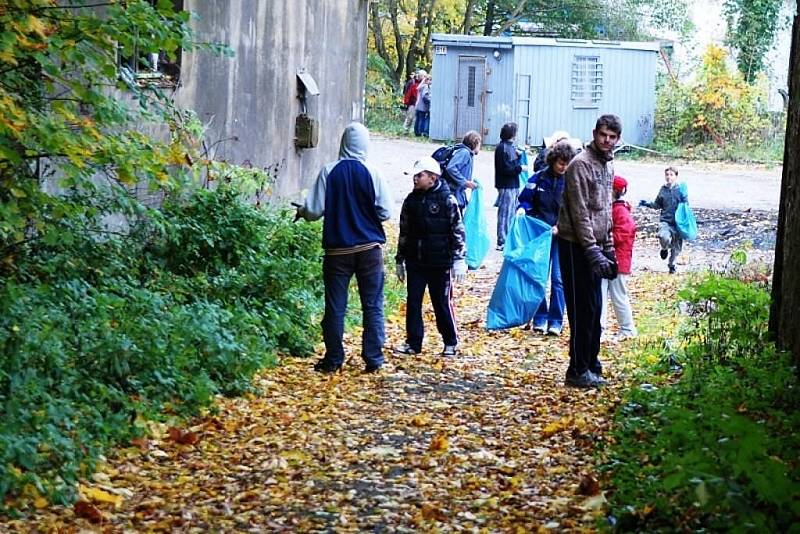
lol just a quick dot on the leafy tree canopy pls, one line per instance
(400, 31)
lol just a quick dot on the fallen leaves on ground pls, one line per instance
(490, 439)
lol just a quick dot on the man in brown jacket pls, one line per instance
(586, 248)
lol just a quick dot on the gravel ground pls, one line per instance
(735, 205)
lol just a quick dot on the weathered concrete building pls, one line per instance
(250, 101)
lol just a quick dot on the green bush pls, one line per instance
(718, 115)
(99, 330)
(713, 450)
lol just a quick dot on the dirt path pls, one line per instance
(488, 440)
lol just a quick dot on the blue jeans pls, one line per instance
(421, 125)
(337, 272)
(554, 316)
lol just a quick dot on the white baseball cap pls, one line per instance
(426, 163)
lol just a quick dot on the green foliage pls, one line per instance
(719, 114)
(383, 104)
(752, 25)
(711, 450)
(99, 334)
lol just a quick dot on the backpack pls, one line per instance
(443, 155)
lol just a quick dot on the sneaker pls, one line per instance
(325, 367)
(600, 380)
(671, 269)
(449, 350)
(405, 348)
(373, 368)
(554, 331)
(499, 248)
(664, 253)
(585, 380)
(541, 329)
(623, 336)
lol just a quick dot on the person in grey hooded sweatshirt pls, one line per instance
(354, 200)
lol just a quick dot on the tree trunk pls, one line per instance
(786, 275)
(398, 43)
(468, 11)
(414, 49)
(376, 27)
(426, 47)
(489, 22)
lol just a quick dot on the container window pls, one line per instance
(471, 87)
(587, 82)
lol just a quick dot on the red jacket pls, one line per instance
(410, 98)
(624, 232)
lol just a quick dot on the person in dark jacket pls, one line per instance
(541, 198)
(507, 169)
(430, 253)
(623, 231)
(354, 200)
(667, 200)
(458, 171)
(586, 248)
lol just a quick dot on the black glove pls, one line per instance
(600, 264)
(644, 203)
(612, 257)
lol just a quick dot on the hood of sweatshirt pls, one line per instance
(355, 142)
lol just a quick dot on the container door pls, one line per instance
(524, 108)
(470, 95)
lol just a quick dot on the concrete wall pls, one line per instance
(253, 95)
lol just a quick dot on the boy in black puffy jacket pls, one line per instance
(430, 253)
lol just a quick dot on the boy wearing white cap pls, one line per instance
(430, 253)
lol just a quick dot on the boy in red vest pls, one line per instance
(624, 233)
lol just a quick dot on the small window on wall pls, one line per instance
(587, 82)
(151, 67)
(471, 87)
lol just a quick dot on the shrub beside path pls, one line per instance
(490, 439)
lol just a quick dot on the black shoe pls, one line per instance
(671, 269)
(326, 367)
(585, 380)
(373, 368)
(664, 253)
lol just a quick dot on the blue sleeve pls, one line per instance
(527, 196)
(459, 168)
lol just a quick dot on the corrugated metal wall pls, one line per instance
(628, 90)
(531, 85)
(499, 98)
(250, 100)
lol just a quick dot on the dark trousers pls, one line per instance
(337, 272)
(440, 289)
(422, 124)
(582, 290)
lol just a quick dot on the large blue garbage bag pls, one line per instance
(476, 229)
(524, 175)
(684, 217)
(526, 263)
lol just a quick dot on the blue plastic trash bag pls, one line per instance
(524, 175)
(521, 284)
(476, 229)
(684, 217)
